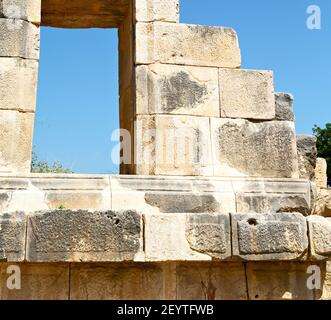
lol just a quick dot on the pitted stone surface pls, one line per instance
(284, 107)
(210, 234)
(64, 235)
(12, 237)
(28, 10)
(307, 155)
(261, 237)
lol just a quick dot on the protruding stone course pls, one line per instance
(269, 236)
(284, 107)
(320, 237)
(157, 10)
(19, 39)
(307, 153)
(247, 94)
(187, 45)
(263, 149)
(29, 10)
(12, 237)
(210, 234)
(174, 89)
(67, 236)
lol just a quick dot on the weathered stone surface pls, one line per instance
(12, 237)
(29, 10)
(279, 281)
(206, 281)
(173, 145)
(19, 38)
(322, 203)
(263, 149)
(307, 155)
(210, 234)
(263, 237)
(116, 282)
(182, 44)
(247, 94)
(284, 107)
(165, 239)
(157, 10)
(18, 84)
(326, 289)
(177, 90)
(272, 203)
(319, 237)
(38, 282)
(321, 178)
(15, 141)
(77, 236)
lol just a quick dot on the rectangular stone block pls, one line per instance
(265, 237)
(319, 237)
(206, 281)
(171, 89)
(29, 10)
(12, 237)
(247, 94)
(210, 234)
(272, 203)
(321, 178)
(307, 155)
(116, 282)
(38, 282)
(279, 281)
(19, 38)
(185, 44)
(262, 149)
(16, 141)
(173, 145)
(166, 240)
(157, 10)
(18, 84)
(284, 107)
(82, 236)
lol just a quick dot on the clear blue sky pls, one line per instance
(77, 107)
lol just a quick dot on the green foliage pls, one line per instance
(44, 167)
(323, 136)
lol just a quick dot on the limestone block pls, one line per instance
(272, 203)
(18, 84)
(116, 282)
(319, 237)
(15, 141)
(326, 290)
(206, 281)
(321, 178)
(173, 145)
(12, 237)
(210, 234)
(307, 155)
(157, 10)
(29, 10)
(284, 107)
(322, 203)
(265, 237)
(82, 236)
(185, 44)
(174, 89)
(279, 281)
(263, 149)
(165, 239)
(247, 94)
(19, 38)
(38, 282)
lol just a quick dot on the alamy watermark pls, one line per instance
(314, 20)
(14, 277)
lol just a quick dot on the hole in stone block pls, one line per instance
(252, 222)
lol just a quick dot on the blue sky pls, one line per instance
(77, 107)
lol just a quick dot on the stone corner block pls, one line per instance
(319, 237)
(284, 106)
(29, 10)
(321, 177)
(12, 237)
(268, 237)
(307, 155)
(83, 236)
(185, 44)
(247, 94)
(157, 10)
(210, 234)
